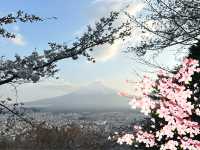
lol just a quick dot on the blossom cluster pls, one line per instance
(167, 101)
(127, 138)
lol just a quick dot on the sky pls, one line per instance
(112, 67)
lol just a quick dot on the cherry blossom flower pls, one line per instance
(170, 145)
(127, 138)
(146, 138)
(173, 105)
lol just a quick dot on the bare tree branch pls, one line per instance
(174, 22)
(35, 66)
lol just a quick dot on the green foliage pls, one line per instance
(194, 51)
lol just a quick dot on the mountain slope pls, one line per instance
(95, 96)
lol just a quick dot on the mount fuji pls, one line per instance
(93, 97)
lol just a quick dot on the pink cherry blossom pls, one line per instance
(170, 145)
(173, 106)
(146, 138)
(127, 138)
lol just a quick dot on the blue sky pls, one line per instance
(73, 16)
(112, 67)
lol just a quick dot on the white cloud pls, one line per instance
(102, 8)
(133, 9)
(18, 40)
(108, 52)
